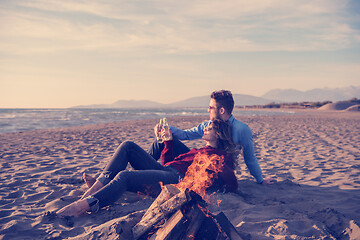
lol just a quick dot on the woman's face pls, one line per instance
(210, 134)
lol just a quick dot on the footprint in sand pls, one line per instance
(37, 196)
(15, 194)
(5, 202)
(71, 181)
(5, 213)
(5, 165)
(64, 171)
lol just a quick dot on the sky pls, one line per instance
(56, 54)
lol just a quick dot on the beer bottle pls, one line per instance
(167, 136)
(158, 133)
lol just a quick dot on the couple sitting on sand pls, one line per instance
(222, 135)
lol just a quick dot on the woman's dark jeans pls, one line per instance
(146, 175)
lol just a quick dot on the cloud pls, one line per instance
(168, 27)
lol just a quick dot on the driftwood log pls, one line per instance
(183, 215)
(198, 224)
(164, 205)
(180, 226)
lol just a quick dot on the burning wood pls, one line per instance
(181, 215)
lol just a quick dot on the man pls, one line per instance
(221, 107)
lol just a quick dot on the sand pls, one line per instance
(314, 157)
(341, 106)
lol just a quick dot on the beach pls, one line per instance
(314, 157)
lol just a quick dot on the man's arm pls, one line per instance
(244, 137)
(190, 134)
(253, 164)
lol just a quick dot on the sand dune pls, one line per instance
(353, 108)
(341, 105)
(314, 157)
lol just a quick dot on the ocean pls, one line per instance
(19, 120)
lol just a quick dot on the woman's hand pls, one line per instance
(157, 130)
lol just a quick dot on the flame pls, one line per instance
(201, 173)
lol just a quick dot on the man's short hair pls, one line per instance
(224, 99)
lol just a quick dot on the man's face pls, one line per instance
(213, 110)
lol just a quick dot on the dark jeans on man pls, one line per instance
(116, 180)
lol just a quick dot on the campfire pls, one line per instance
(180, 211)
(178, 215)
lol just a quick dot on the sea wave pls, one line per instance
(17, 120)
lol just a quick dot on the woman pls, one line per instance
(115, 180)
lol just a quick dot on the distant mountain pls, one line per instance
(126, 104)
(276, 95)
(240, 100)
(314, 95)
(137, 104)
(203, 101)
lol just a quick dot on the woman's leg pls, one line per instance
(135, 181)
(127, 152)
(94, 188)
(75, 209)
(89, 180)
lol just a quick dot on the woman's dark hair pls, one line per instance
(224, 98)
(224, 141)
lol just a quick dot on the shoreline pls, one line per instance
(313, 155)
(32, 119)
(284, 111)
